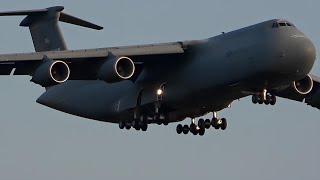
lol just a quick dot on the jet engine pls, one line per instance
(303, 86)
(116, 69)
(50, 73)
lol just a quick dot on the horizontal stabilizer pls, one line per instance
(63, 17)
(23, 13)
(76, 21)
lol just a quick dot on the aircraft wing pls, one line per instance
(312, 99)
(25, 63)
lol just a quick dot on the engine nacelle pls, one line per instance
(50, 73)
(303, 86)
(116, 69)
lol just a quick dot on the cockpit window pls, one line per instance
(281, 24)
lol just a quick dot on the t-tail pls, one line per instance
(43, 24)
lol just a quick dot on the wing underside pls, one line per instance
(312, 99)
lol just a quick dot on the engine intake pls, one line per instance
(303, 86)
(51, 73)
(116, 69)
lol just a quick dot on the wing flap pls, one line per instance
(5, 69)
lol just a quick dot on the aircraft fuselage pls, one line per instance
(215, 72)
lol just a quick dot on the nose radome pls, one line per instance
(300, 55)
(308, 53)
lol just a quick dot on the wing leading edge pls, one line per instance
(26, 62)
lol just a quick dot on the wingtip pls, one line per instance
(100, 28)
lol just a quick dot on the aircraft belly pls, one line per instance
(91, 99)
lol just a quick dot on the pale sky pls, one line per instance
(262, 142)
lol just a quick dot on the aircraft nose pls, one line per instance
(303, 54)
(307, 54)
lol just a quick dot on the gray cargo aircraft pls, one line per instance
(136, 86)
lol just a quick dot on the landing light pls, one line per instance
(159, 92)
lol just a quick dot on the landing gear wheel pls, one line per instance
(121, 125)
(193, 128)
(273, 100)
(128, 125)
(201, 123)
(260, 100)
(195, 132)
(202, 131)
(214, 123)
(144, 127)
(179, 128)
(207, 123)
(135, 124)
(223, 124)
(185, 129)
(268, 100)
(254, 99)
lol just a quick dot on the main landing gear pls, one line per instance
(137, 124)
(202, 125)
(264, 97)
(140, 121)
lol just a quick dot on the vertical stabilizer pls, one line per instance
(44, 28)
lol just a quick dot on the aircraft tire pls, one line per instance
(193, 128)
(207, 123)
(273, 100)
(195, 132)
(214, 123)
(254, 99)
(128, 125)
(185, 129)
(268, 100)
(179, 128)
(202, 131)
(201, 123)
(260, 100)
(121, 125)
(223, 124)
(144, 127)
(137, 126)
